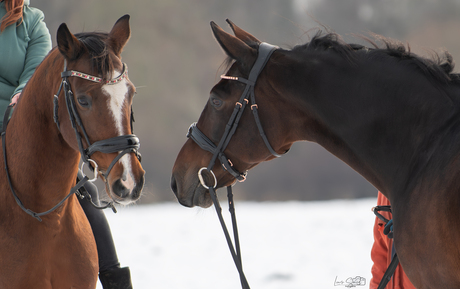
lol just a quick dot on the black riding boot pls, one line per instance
(117, 278)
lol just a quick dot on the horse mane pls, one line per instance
(439, 66)
(96, 45)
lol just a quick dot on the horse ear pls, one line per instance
(243, 35)
(119, 35)
(69, 46)
(233, 46)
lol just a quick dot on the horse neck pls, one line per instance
(41, 164)
(382, 121)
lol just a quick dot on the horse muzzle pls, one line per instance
(125, 193)
(126, 181)
(190, 193)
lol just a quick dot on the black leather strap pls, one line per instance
(18, 201)
(114, 144)
(389, 272)
(265, 51)
(236, 255)
(206, 144)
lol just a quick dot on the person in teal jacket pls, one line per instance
(24, 43)
(22, 48)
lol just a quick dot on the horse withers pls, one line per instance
(88, 117)
(391, 115)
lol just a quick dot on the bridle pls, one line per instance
(265, 51)
(123, 144)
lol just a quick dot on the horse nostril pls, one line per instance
(119, 189)
(136, 193)
(174, 185)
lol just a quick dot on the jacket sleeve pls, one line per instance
(380, 248)
(39, 44)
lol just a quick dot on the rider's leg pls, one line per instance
(110, 273)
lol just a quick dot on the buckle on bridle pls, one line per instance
(242, 178)
(93, 169)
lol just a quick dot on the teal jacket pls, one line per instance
(22, 48)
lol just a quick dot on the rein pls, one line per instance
(123, 144)
(265, 51)
(18, 201)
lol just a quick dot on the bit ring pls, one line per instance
(200, 177)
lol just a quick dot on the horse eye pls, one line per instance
(216, 102)
(83, 101)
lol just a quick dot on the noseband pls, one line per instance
(265, 51)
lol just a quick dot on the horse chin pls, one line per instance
(202, 198)
(196, 197)
(196, 194)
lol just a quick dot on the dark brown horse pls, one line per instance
(43, 154)
(391, 115)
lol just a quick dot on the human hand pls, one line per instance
(15, 98)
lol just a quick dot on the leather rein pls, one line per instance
(265, 51)
(123, 144)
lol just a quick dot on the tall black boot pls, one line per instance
(117, 278)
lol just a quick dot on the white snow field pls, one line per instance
(285, 245)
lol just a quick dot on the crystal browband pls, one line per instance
(122, 76)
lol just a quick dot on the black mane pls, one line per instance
(96, 45)
(439, 66)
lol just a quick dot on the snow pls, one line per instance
(289, 245)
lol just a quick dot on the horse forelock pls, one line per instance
(98, 50)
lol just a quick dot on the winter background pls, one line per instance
(288, 245)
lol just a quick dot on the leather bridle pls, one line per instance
(265, 51)
(123, 144)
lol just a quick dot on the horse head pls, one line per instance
(98, 95)
(226, 131)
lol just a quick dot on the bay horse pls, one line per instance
(391, 115)
(89, 114)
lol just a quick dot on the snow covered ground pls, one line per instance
(289, 245)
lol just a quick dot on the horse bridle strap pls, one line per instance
(265, 51)
(123, 144)
(18, 201)
(200, 138)
(123, 75)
